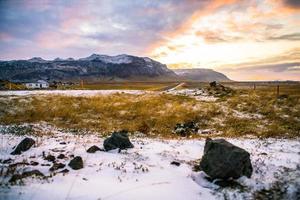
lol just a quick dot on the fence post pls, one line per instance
(254, 86)
(81, 84)
(277, 90)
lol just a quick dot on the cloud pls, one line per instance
(279, 67)
(292, 3)
(289, 37)
(268, 72)
(216, 37)
(123, 26)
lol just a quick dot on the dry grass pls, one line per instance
(245, 112)
(155, 114)
(277, 115)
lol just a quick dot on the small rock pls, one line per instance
(93, 149)
(64, 171)
(76, 163)
(61, 156)
(7, 161)
(50, 158)
(263, 154)
(228, 183)
(117, 140)
(223, 160)
(213, 84)
(175, 163)
(34, 163)
(186, 129)
(57, 166)
(24, 145)
(62, 143)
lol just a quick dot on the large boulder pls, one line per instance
(223, 160)
(118, 140)
(24, 145)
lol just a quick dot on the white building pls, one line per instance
(37, 85)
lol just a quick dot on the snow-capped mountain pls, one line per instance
(94, 67)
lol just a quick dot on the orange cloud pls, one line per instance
(208, 9)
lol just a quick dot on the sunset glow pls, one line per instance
(246, 40)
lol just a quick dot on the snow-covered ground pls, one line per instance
(145, 172)
(198, 94)
(68, 92)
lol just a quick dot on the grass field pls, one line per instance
(260, 112)
(152, 86)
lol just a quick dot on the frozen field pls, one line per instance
(145, 172)
(67, 92)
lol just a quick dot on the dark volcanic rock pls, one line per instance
(57, 166)
(16, 177)
(175, 163)
(64, 171)
(50, 158)
(24, 145)
(223, 160)
(61, 156)
(93, 149)
(118, 140)
(76, 163)
(186, 129)
(219, 90)
(213, 84)
(34, 163)
(7, 161)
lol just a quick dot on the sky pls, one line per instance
(245, 39)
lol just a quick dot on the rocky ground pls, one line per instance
(153, 169)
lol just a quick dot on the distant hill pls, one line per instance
(95, 68)
(200, 74)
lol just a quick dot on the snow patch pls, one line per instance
(119, 59)
(68, 92)
(145, 172)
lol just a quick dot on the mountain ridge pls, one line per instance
(99, 67)
(201, 74)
